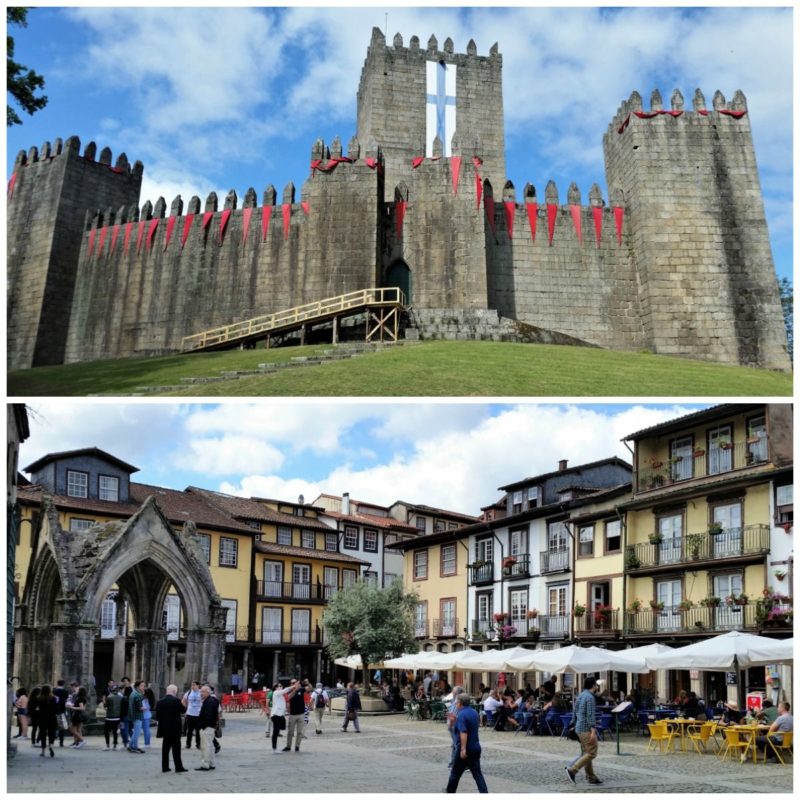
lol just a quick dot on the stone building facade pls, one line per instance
(677, 261)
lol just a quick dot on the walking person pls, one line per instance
(21, 704)
(61, 694)
(113, 705)
(192, 701)
(33, 714)
(278, 712)
(319, 702)
(297, 708)
(466, 727)
(136, 716)
(148, 704)
(48, 722)
(352, 707)
(125, 726)
(452, 712)
(78, 717)
(169, 715)
(209, 716)
(585, 722)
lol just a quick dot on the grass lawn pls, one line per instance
(434, 368)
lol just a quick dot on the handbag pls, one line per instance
(218, 731)
(62, 722)
(572, 733)
(351, 714)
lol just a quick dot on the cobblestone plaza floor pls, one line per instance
(391, 754)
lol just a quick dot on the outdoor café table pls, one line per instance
(681, 723)
(666, 713)
(750, 732)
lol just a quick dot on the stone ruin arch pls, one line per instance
(70, 575)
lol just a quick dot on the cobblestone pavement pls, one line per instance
(391, 754)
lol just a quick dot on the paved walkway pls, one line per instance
(392, 754)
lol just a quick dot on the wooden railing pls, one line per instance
(321, 309)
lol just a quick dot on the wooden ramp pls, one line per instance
(382, 307)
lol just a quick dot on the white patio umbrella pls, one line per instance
(354, 662)
(494, 660)
(644, 652)
(575, 659)
(732, 650)
(411, 660)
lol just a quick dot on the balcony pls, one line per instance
(553, 626)
(273, 636)
(702, 464)
(445, 627)
(734, 544)
(554, 561)
(421, 629)
(481, 572)
(602, 625)
(527, 629)
(520, 568)
(306, 592)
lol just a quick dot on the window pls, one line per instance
(448, 622)
(389, 579)
(484, 549)
(301, 581)
(284, 534)
(420, 565)
(557, 601)
(439, 525)
(720, 450)
(108, 616)
(171, 616)
(784, 504)
(253, 523)
(518, 545)
(670, 594)
(205, 545)
(533, 496)
(228, 552)
(370, 540)
(307, 539)
(681, 458)
(330, 581)
(371, 578)
(76, 524)
(77, 483)
(108, 488)
(421, 619)
(729, 516)
(613, 535)
(331, 542)
(556, 537)
(389, 538)
(271, 623)
(230, 620)
(348, 577)
(586, 540)
(420, 523)
(484, 621)
(519, 609)
(448, 560)
(516, 503)
(299, 512)
(273, 579)
(350, 537)
(301, 626)
(452, 526)
(757, 440)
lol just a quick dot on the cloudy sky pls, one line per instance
(214, 99)
(453, 456)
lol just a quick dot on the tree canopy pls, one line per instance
(787, 304)
(22, 83)
(374, 623)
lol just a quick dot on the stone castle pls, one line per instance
(678, 261)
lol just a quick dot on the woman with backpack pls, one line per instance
(48, 722)
(78, 718)
(320, 700)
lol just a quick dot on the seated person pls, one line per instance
(492, 704)
(731, 715)
(768, 713)
(692, 708)
(784, 723)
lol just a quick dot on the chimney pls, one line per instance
(301, 501)
(562, 465)
(346, 503)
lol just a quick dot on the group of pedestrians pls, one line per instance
(49, 713)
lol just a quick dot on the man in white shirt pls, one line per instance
(319, 702)
(280, 696)
(492, 705)
(192, 702)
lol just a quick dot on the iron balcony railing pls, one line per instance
(251, 635)
(701, 464)
(553, 626)
(421, 629)
(277, 590)
(697, 619)
(597, 622)
(698, 547)
(554, 561)
(481, 572)
(489, 629)
(445, 627)
(520, 568)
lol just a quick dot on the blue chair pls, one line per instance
(566, 721)
(603, 725)
(489, 719)
(525, 719)
(552, 722)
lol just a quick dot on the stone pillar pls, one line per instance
(173, 657)
(319, 665)
(73, 657)
(303, 331)
(335, 339)
(246, 669)
(275, 666)
(151, 658)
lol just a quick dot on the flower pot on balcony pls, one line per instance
(698, 453)
(715, 529)
(655, 538)
(533, 636)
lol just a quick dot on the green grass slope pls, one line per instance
(427, 369)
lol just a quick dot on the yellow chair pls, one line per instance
(701, 735)
(785, 746)
(733, 743)
(660, 732)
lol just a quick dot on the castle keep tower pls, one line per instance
(408, 95)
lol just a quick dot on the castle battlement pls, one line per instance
(431, 51)
(71, 149)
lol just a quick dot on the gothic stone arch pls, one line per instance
(70, 575)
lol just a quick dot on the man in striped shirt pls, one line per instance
(585, 722)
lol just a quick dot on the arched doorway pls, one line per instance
(399, 275)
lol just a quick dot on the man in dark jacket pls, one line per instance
(209, 716)
(169, 711)
(352, 707)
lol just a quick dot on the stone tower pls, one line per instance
(50, 192)
(698, 233)
(408, 95)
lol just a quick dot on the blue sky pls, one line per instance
(213, 99)
(450, 455)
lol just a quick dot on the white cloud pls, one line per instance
(228, 455)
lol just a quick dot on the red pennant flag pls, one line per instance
(287, 215)
(703, 112)
(315, 164)
(477, 161)
(624, 125)
(597, 213)
(510, 210)
(207, 218)
(734, 114)
(92, 234)
(415, 162)
(399, 214)
(266, 214)
(128, 231)
(11, 182)
(488, 203)
(114, 236)
(223, 224)
(371, 162)
(478, 190)
(140, 236)
(576, 220)
(187, 226)
(646, 114)
(619, 212)
(171, 221)
(101, 241)
(552, 211)
(152, 232)
(305, 206)
(455, 169)
(532, 209)
(246, 214)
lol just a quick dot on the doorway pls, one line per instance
(399, 275)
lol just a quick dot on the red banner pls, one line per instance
(187, 226)
(532, 209)
(597, 213)
(114, 237)
(575, 210)
(478, 190)
(734, 114)
(399, 215)
(140, 236)
(101, 241)
(152, 232)
(246, 214)
(90, 249)
(171, 221)
(266, 215)
(415, 162)
(207, 218)
(619, 213)
(287, 215)
(128, 232)
(552, 211)
(455, 170)
(331, 165)
(223, 225)
(11, 183)
(510, 207)
(305, 206)
(371, 162)
(488, 204)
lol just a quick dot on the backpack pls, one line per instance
(321, 701)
